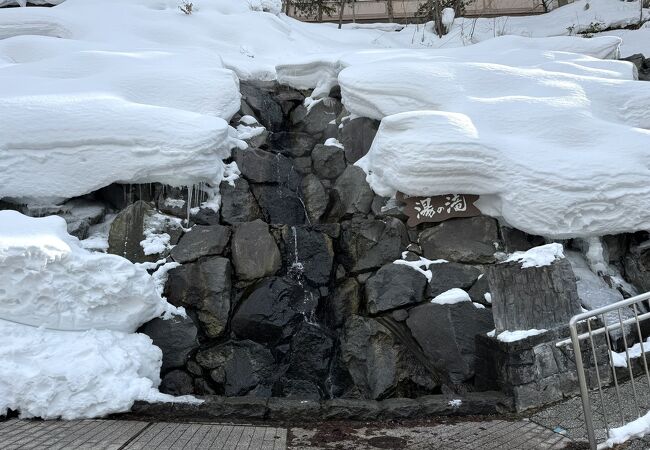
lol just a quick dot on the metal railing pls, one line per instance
(618, 324)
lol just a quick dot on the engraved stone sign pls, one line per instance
(438, 208)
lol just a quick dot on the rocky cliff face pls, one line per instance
(292, 288)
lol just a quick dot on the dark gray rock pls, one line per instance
(176, 337)
(472, 240)
(447, 276)
(127, 231)
(315, 119)
(129, 223)
(343, 303)
(204, 286)
(379, 365)
(315, 198)
(238, 203)
(201, 241)
(328, 161)
(311, 351)
(394, 285)
(309, 254)
(239, 367)
(302, 402)
(446, 334)
(80, 214)
(637, 265)
(265, 108)
(517, 241)
(479, 290)
(273, 310)
(254, 251)
(280, 205)
(259, 166)
(369, 244)
(294, 144)
(357, 136)
(353, 191)
(642, 65)
(302, 165)
(177, 382)
(535, 297)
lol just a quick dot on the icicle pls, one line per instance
(190, 191)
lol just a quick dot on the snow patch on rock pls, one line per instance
(544, 255)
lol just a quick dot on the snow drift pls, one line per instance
(67, 318)
(552, 152)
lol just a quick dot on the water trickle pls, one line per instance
(296, 271)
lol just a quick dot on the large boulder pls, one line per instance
(328, 161)
(642, 65)
(201, 241)
(254, 251)
(310, 353)
(394, 285)
(293, 144)
(343, 303)
(637, 265)
(204, 286)
(177, 382)
(378, 364)
(280, 205)
(259, 166)
(540, 297)
(315, 198)
(357, 136)
(176, 337)
(238, 203)
(239, 367)
(368, 244)
(446, 335)
(140, 234)
(273, 310)
(353, 191)
(262, 104)
(447, 276)
(309, 253)
(316, 118)
(471, 240)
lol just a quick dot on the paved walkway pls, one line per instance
(490, 434)
(134, 435)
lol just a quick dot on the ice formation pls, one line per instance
(67, 318)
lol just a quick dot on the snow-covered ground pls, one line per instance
(67, 319)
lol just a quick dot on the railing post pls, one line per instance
(584, 391)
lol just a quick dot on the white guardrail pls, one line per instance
(612, 417)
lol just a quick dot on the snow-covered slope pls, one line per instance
(49, 284)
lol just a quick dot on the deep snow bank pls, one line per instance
(49, 280)
(559, 152)
(49, 284)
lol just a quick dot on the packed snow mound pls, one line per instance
(563, 54)
(66, 318)
(49, 280)
(551, 152)
(55, 146)
(451, 297)
(541, 256)
(75, 375)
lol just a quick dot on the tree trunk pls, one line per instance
(437, 18)
(389, 11)
(536, 297)
(354, 13)
(341, 8)
(287, 5)
(319, 17)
